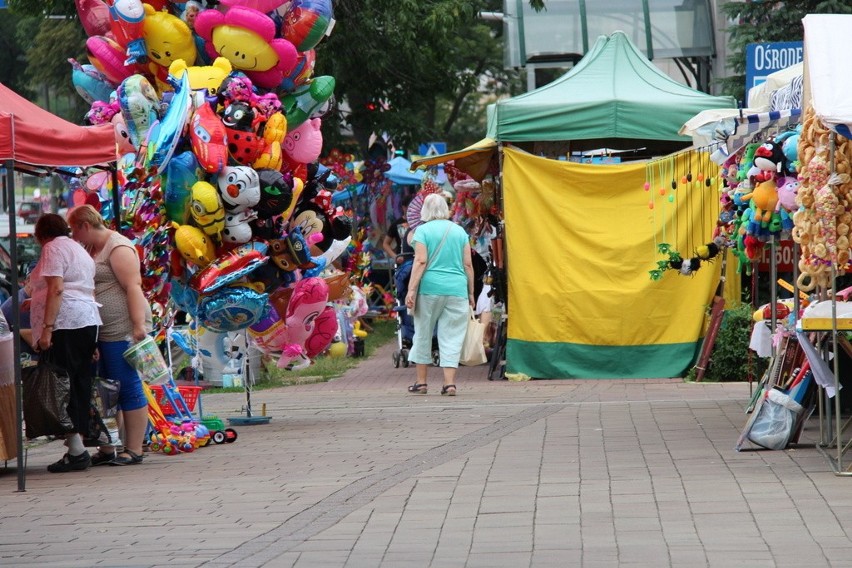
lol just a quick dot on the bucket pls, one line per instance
(146, 358)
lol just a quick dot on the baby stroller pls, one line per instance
(403, 344)
(405, 322)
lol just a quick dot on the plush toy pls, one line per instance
(205, 77)
(765, 197)
(239, 187)
(306, 100)
(769, 157)
(167, 39)
(207, 135)
(194, 246)
(788, 188)
(206, 208)
(140, 107)
(746, 162)
(127, 24)
(246, 37)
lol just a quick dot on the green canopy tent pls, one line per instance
(614, 98)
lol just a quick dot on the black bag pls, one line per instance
(47, 391)
(104, 405)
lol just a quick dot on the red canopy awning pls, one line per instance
(31, 135)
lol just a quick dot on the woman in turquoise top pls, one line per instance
(440, 292)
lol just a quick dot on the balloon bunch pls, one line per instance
(217, 116)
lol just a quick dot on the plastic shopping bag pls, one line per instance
(773, 425)
(47, 390)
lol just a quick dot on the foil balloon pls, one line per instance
(307, 99)
(102, 113)
(90, 83)
(246, 37)
(303, 144)
(207, 136)
(325, 328)
(308, 301)
(276, 194)
(184, 297)
(108, 58)
(126, 17)
(94, 16)
(206, 208)
(300, 74)
(307, 22)
(269, 332)
(231, 309)
(205, 77)
(165, 135)
(139, 105)
(122, 136)
(181, 172)
(239, 187)
(167, 39)
(194, 246)
(237, 228)
(260, 5)
(229, 267)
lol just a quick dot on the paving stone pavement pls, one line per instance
(358, 473)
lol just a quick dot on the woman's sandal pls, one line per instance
(417, 388)
(132, 458)
(446, 390)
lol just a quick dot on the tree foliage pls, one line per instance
(409, 68)
(766, 22)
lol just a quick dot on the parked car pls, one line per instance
(29, 211)
(28, 251)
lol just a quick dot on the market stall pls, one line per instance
(35, 140)
(576, 232)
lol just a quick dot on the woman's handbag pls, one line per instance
(473, 351)
(47, 391)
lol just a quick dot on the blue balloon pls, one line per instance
(231, 309)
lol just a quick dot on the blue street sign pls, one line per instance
(3, 4)
(432, 149)
(765, 58)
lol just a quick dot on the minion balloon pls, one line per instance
(206, 208)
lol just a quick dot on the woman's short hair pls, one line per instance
(50, 226)
(85, 214)
(434, 207)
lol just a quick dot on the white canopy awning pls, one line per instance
(829, 69)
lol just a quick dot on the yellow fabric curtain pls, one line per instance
(581, 240)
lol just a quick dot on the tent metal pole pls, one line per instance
(16, 317)
(116, 198)
(773, 279)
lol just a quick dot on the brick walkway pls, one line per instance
(358, 473)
